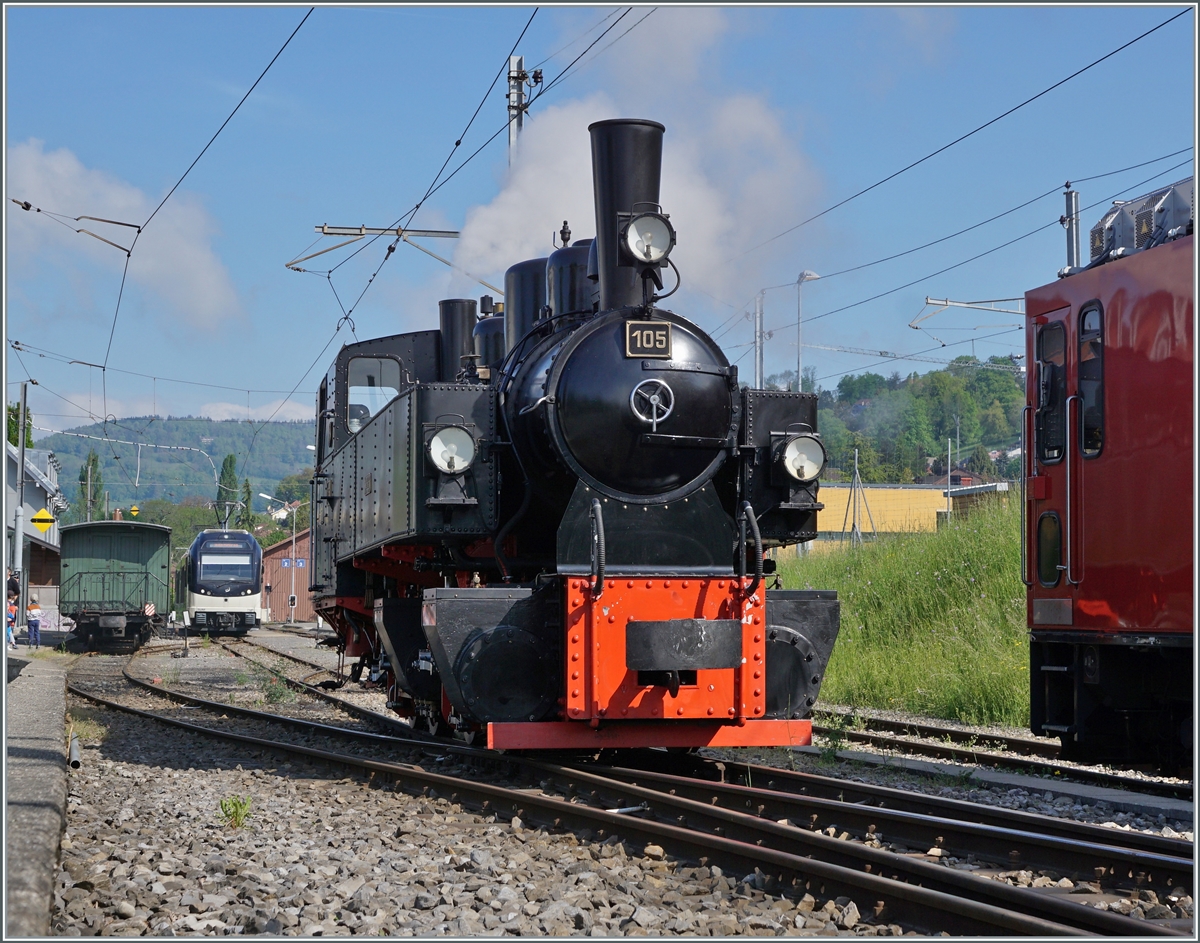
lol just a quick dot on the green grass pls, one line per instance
(932, 623)
(235, 811)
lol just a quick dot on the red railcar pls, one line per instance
(1108, 526)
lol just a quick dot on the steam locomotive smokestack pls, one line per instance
(626, 170)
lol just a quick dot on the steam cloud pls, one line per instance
(732, 173)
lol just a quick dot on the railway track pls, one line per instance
(897, 735)
(738, 825)
(964, 753)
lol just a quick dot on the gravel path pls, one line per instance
(147, 851)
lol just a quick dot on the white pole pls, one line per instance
(805, 276)
(949, 507)
(758, 341)
(799, 345)
(516, 101)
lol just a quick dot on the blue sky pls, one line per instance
(773, 114)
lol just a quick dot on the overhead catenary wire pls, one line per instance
(986, 252)
(183, 177)
(48, 354)
(407, 217)
(960, 138)
(140, 229)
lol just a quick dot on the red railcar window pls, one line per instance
(1049, 547)
(1052, 376)
(1091, 379)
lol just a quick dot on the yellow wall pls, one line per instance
(893, 509)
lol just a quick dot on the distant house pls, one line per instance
(283, 572)
(959, 478)
(281, 513)
(40, 553)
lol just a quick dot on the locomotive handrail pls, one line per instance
(1026, 466)
(597, 519)
(1069, 569)
(747, 517)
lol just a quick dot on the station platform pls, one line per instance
(36, 767)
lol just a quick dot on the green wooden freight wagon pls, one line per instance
(115, 582)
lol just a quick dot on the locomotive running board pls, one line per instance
(572, 735)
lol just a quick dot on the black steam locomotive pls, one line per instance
(549, 523)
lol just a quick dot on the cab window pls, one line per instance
(373, 383)
(1091, 379)
(1051, 414)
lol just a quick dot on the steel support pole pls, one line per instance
(292, 596)
(18, 550)
(758, 341)
(516, 102)
(799, 337)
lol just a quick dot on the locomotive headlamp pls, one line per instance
(648, 238)
(803, 457)
(452, 450)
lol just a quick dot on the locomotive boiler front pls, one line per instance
(642, 410)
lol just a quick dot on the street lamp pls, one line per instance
(292, 568)
(805, 276)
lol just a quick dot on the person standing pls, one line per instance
(33, 622)
(10, 621)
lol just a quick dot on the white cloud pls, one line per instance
(733, 174)
(288, 411)
(174, 258)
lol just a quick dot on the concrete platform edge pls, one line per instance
(36, 780)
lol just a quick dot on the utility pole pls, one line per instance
(758, 341)
(949, 506)
(18, 550)
(805, 276)
(89, 491)
(106, 505)
(516, 102)
(1070, 222)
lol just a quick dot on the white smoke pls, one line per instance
(733, 174)
(174, 258)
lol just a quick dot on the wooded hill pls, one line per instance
(180, 468)
(898, 424)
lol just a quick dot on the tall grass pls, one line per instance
(931, 622)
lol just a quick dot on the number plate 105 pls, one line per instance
(648, 339)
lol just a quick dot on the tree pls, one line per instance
(227, 486)
(853, 388)
(994, 422)
(245, 519)
(87, 499)
(295, 487)
(14, 420)
(981, 463)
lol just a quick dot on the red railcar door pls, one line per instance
(1051, 564)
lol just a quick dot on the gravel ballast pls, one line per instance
(146, 851)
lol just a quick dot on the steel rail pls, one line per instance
(365, 713)
(983, 758)
(896, 901)
(751, 829)
(1023, 745)
(875, 796)
(1025, 849)
(1167, 856)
